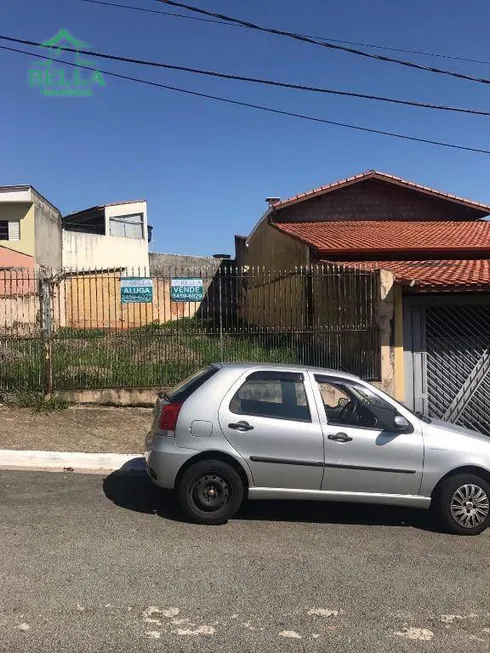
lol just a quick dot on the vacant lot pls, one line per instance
(97, 430)
(151, 356)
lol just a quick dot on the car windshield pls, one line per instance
(366, 395)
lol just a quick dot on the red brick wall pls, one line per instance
(374, 200)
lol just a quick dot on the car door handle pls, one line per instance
(339, 437)
(240, 426)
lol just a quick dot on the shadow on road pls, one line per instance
(136, 492)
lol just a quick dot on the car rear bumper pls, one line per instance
(164, 459)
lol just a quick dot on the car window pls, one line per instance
(185, 388)
(370, 397)
(351, 404)
(280, 395)
(332, 395)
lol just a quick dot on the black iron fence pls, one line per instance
(81, 329)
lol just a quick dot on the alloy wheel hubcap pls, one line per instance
(470, 506)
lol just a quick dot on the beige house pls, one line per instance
(29, 226)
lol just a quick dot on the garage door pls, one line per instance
(457, 345)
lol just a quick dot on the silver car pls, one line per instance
(260, 431)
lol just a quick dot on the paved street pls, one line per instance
(93, 564)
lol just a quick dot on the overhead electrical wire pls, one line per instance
(325, 43)
(376, 46)
(256, 80)
(259, 107)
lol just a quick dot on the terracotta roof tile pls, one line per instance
(369, 237)
(484, 209)
(441, 275)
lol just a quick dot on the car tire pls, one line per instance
(463, 503)
(210, 492)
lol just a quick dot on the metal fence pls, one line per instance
(67, 330)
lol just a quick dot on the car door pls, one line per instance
(362, 453)
(270, 418)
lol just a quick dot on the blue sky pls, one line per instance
(204, 167)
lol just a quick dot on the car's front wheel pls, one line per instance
(463, 502)
(210, 492)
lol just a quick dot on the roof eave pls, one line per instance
(406, 254)
(83, 213)
(426, 287)
(261, 220)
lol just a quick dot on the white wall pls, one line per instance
(129, 208)
(86, 251)
(22, 194)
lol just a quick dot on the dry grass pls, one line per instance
(93, 430)
(165, 352)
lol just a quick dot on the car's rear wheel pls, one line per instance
(463, 502)
(210, 492)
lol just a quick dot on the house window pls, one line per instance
(9, 230)
(127, 226)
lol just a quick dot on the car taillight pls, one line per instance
(168, 416)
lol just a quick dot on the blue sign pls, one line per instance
(186, 290)
(136, 290)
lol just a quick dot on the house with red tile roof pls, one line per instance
(440, 256)
(432, 252)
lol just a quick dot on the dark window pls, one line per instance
(183, 390)
(280, 395)
(4, 230)
(91, 221)
(351, 404)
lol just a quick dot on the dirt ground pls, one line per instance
(94, 429)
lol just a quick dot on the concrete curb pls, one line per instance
(71, 461)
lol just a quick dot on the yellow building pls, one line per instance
(29, 225)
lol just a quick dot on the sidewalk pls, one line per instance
(78, 439)
(70, 461)
(82, 429)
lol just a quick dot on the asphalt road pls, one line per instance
(93, 564)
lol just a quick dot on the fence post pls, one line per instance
(45, 292)
(220, 299)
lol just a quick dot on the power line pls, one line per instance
(326, 44)
(163, 13)
(256, 80)
(376, 46)
(259, 107)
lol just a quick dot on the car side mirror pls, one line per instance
(401, 424)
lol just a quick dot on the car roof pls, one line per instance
(285, 367)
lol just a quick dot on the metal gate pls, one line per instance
(458, 365)
(448, 375)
